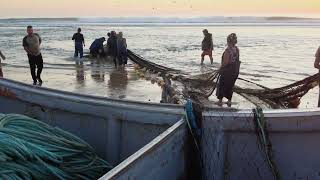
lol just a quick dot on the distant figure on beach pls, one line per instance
(317, 60)
(4, 58)
(122, 50)
(31, 44)
(78, 43)
(229, 70)
(96, 48)
(207, 46)
(112, 47)
(317, 65)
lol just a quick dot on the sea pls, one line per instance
(274, 51)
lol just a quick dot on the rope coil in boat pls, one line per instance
(30, 149)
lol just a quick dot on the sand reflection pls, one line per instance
(118, 83)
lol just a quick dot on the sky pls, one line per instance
(158, 8)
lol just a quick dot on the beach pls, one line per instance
(271, 55)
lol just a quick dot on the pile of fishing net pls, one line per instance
(30, 149)
(200, 87)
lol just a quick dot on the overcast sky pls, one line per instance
(182, 8)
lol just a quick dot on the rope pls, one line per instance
(264, 140)
(30, 149)
(191, 121)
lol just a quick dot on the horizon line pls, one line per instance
(163, 17)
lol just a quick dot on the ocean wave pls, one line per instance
(183, 48)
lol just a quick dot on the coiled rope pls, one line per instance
(30, 149)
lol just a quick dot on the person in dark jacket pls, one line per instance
(207, 46)
(78, 43)
(122, 50)
(112, 46)
(229, 70)
(96, 48)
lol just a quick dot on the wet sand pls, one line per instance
(100, 78)
(96, 77)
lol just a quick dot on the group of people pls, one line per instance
(116, 47)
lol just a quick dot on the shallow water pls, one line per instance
(271, 55)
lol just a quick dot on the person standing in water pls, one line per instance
(317, 65)
(31, 44)
(207, 46)
(229, 70)
(78, 43)
(4, 58)
(112, 46)
(122, 50)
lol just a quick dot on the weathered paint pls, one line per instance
(5, 92)
(231, 149)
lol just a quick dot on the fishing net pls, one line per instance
(200, 87)
(284, 97)
(234, 147)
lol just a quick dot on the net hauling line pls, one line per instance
(200, 87)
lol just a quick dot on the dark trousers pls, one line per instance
(78, 49)
(122, 58)
(35, 62)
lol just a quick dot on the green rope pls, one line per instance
(30, 149)
(264, 140)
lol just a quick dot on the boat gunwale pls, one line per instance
(150, 106)
(144, 151)
(92, 99)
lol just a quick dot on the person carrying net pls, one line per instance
(317, 65)
(229, 70)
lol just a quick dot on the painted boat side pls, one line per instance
(162, 158)
(115, 128)
(229, 144)
(230, 148)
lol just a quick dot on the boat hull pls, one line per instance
(115, 128)
(152, 140)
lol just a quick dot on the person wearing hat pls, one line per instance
(229, 70)
(207, 46)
